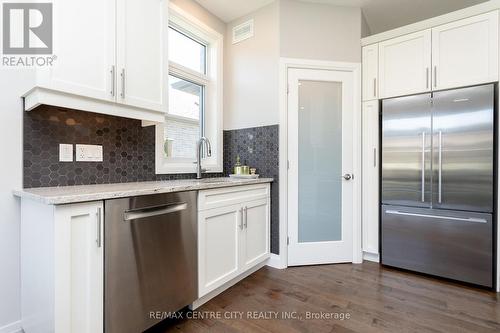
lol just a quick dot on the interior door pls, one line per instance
(320, 180)
(464, 149)
(406, 151)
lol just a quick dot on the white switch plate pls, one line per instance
(88, 153)
(65, 153)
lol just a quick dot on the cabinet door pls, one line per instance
(255, 245)
(370, 72)
(370, 177)
(142, 61)
(79, 276)
(465, 52)
(219, 233)
(405, 64)
(84, 44)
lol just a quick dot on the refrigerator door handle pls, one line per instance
(440, 165)
(423, 166)
(464, 219)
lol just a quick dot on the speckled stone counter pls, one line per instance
(83, 193)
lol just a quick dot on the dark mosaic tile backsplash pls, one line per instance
(259, 148)
(128, 149)
(129, 152)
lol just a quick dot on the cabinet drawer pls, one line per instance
(221, 197)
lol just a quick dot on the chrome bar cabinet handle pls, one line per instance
(435, 77)
(113, 81)
(246, 217)
(123, 83)
(99, 226)
(427, 78)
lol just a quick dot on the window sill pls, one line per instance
(180, 168)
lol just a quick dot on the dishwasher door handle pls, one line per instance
(142, 213)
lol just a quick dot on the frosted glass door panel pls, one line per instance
(320, 161)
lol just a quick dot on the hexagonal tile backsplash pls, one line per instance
(129, 152)
(128, 149)
(257, 147)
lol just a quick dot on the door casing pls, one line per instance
(281, 260)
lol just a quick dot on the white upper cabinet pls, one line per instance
(142, 62)
(111, 58)
(465, 52)
(405, 64)
(85, 51)
(370, 72)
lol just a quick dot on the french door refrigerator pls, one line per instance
(437, 184)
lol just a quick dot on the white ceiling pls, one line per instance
(381, 15)
(228, 10)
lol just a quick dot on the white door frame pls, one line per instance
(281, 260)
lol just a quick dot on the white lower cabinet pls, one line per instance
(219, 239)
(62, 261)
(62, 254)
(232, 238)
(370, 177)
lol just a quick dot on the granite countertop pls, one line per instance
(82, 193)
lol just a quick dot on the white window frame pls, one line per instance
(213, 98)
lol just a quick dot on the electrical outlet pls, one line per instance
(88, 153)
(65, 153)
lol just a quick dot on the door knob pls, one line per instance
(348, 176)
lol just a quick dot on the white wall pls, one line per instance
(13, 83)
(285, 28)
(365, 28)
(201, 14)
(251, 72)
(320, 31)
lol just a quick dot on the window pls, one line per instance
(195, 96)
(186, 51)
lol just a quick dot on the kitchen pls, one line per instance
(167, 163)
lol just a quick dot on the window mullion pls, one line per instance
(188, 74)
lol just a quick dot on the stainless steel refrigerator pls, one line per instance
(438, 183)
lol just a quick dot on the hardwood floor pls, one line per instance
(376, 299)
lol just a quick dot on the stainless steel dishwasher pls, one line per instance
(150, 259)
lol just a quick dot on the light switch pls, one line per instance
(88, 153)
(65, 153)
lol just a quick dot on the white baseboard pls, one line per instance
(276, 261)
(14, 327)
(371, 256)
